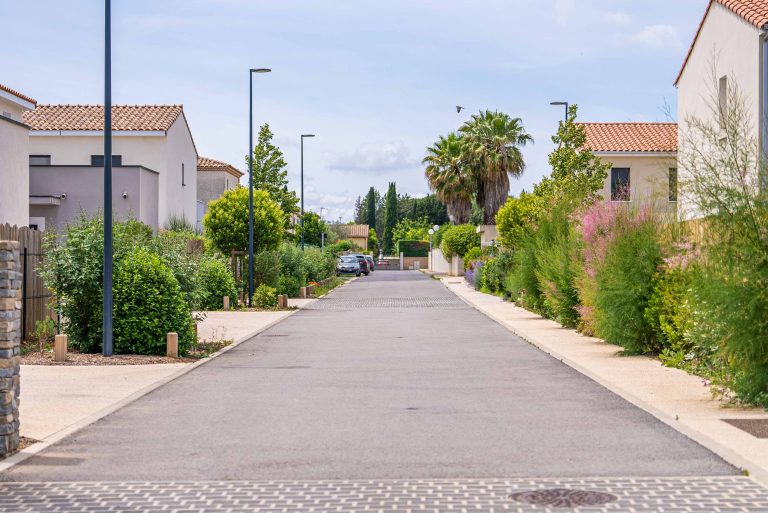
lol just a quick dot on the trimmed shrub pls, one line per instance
(522, 282)
(148, 305)
(318, 265)
(266, 268)
(413, 248)
(265, 297)
(495, 273)
(214, 280)
(471, 255)
(459, 239)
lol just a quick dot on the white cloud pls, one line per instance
(565, 11)
(374, 158)
(657, 37)
(617, 18)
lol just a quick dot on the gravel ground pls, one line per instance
(46, 358)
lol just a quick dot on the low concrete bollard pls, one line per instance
(282, 301)
(226, 302)
(303, 292)
(172, 345)
(60, 348)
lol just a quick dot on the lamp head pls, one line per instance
(436, 227)
(308, 135)
(558, 103)
(260, 70)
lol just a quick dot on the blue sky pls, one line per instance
(376, 81)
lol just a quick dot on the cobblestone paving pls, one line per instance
(636, 495)
(344, 303)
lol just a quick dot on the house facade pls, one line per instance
(357, 233)
(214, 177)
(643, 159)
(729, 53)
(154, 163)
(14, 157)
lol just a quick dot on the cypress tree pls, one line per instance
(370, 203)
(390, 218)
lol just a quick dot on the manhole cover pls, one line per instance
(755, 427)
(563, 498)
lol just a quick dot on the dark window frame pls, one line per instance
(98, 160)
(183, 179)
(616, 194)
(40, 157)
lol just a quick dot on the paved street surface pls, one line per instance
(389, 395)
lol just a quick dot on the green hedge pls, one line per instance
(413, 248)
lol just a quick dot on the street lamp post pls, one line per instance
(301, 221)
(106, 305)
(250, 179)
(432, 231)
(562, 104)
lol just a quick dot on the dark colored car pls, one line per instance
(364, 267)
(348, 265)
(371, 266)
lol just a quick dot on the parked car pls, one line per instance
(364, 268)
(348, 265)
(371, 265)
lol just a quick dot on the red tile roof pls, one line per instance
(353, 230)
(754, 12)
(17, 94)
(207, 164)
(91, 117)
(631, 137)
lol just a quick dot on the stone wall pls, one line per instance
(10, 340)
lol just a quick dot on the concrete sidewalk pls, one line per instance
(55, 398)
(673, 396)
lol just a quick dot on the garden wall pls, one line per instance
(10, 340)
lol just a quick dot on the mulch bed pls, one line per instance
(25, 442)
(46, 358)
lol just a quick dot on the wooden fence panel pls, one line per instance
(36, 299)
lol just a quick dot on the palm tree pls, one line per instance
(449, 176)
(492, 144)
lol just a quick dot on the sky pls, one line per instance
(377, 82)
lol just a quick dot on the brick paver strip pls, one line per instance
(638, 495)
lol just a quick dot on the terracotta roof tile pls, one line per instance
(17, 94)
(208, 164)
(754, 12)
(631, 137)
(353, 230)
(91, 117)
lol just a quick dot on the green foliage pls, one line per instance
(318, 264)
(437, 237)
(409, 229)
(270, 173)
(413, 248)
(474, 253)
(371, 200)
(297, 268)
(180, 223)
(428, 207)
(314, 226)
(390, 219)
(373, 241)
(181, 251)
(516, 217)
(148, 305)
(214, 280)
(494, 277)
(341, 246)
(265, 297)
(226, 222)
(625, 284)
(669, 313)
(522, 281)
(266, 268)
(73, 270)
(459, 239)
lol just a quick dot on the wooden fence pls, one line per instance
(35, 298)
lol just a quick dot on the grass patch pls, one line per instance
(324, 289)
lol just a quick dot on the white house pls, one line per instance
(729, 50)
(155, 161)
(643, 158)
(14, 155)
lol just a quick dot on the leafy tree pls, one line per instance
(390, 218)
(373, 241)
(226, 222)
(428, 207)
(370, 208)
(411, 230)
(270, 172)
(313, 228)
(450, 177)
(360, 212)
(516, 217)
(492, 142)
(459, 239)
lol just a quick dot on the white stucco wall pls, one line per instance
(727, 46)
(176, 199)
(648, 180)
(14, 173)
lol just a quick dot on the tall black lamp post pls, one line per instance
(301, 221)
(250, 179)
(106, 305)
(561, 104)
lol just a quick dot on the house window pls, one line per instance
(183, 183)
(673, 184)
(39, 160)
(722, 100)
(7, 115)
(620, 184)
(98, 160)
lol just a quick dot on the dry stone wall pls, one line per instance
(10, 341)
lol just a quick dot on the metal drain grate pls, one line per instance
(334, 303)
(755, 427)
(563, 498)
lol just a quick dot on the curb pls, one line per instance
(756, 472)
(40, 446)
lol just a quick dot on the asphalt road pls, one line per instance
(390, 377)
